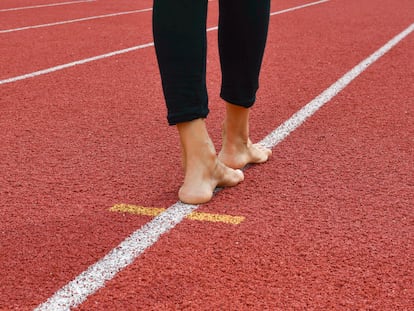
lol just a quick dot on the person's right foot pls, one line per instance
(203, 171)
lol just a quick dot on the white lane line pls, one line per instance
(44, 5)
(94, 278)
(78, 20)
(298, 7)
(299, 117)
(75, 20)
(75, 63)
(87, 60)
(285, 11)
(89, 281)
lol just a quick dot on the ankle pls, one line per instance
(197, 148)
(236, 124)
(194, 135)
(234, 139)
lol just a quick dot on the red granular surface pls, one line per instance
(329, 219)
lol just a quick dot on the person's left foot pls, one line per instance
(239, 154)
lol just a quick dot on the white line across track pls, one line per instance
(114, 53)
(94, 278)
(44, 5)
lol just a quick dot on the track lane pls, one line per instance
(76, 95)
(44, 5)
(83, 46)
(77, 20)
(8, 4)
(65, 157)
(329, 221)
(17, 19)
(71, 42)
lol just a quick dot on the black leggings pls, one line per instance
(179, 28)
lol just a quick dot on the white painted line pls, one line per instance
(44, 5)
(94, 278)
(75, 63)
(284, 11)
(299, 117)
(78, 20)
(87, 60)
(89, 281)
(75, 20)
(298, 7)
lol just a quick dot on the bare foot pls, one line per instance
(238, 155)
(199, 184)
(202, 168)
(238, 150)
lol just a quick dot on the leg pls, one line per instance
(242, 37)
(179, 29)
(237, 150)
(180, 42)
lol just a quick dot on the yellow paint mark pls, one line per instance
(154, 211)
(228, 219)
(138, 210)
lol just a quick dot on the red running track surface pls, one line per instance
(328, 220)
